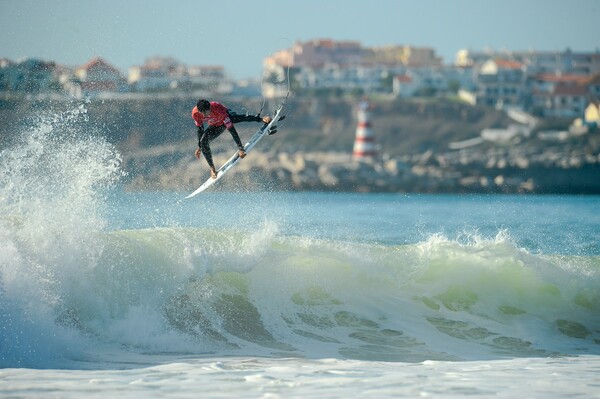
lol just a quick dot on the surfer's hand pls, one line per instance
(197, 152)
(241, 153)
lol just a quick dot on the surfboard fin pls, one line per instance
(273, 129)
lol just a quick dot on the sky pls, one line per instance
(239, 34)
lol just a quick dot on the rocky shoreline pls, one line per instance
(493, 170)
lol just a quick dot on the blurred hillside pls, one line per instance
(157, 138)
(313, 124)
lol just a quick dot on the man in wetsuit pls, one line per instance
(218, 118)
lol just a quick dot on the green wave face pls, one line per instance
(260, 293)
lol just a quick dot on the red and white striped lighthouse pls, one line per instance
(364, 143)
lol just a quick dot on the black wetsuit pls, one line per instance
(205, 136)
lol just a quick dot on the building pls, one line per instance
(558, 95)
(593, 84)
(500, 82)
(591, 115)
(97, 75)
(27, 76)
(566, 101)
(320, 52)
(346, 65)
(408, 56)
(157, 73)
(166, 73)
(68, 82)
(211, 77)
(566, 62)
(404, 85)
(553, 84)
(354, 77)
(431, 81)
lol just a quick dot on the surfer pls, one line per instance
(218, 118)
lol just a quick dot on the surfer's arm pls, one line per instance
(200, 133)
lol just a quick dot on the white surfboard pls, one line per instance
(263, 131)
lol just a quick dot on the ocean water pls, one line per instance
(107, 293)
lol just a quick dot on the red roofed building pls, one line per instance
(558, 95)
(99, 76)
(506, 64)
(404, 85)
(594, 86)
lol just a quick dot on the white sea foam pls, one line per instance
(323, 378)
(51, 212)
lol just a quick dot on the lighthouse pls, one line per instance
(364, 143)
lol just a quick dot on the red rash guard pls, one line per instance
(218, 116)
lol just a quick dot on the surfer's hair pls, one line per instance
(203, 105)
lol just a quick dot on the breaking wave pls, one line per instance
(185, 290)
(70, 289)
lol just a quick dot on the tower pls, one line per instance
(364, 143)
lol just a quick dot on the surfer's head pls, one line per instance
(203, 105)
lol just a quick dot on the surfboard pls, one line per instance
(260, 133)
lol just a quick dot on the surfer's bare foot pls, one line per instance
(213, 173)
(241, 153)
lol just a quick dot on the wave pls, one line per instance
(435, 300)
(185, 290)
(70, 289)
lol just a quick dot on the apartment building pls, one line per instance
(558, 95)
(326, 63)
(500, 81)
(567, 61)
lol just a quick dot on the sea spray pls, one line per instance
(53, 183)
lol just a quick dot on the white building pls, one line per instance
(500, 82)
(166, 73)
